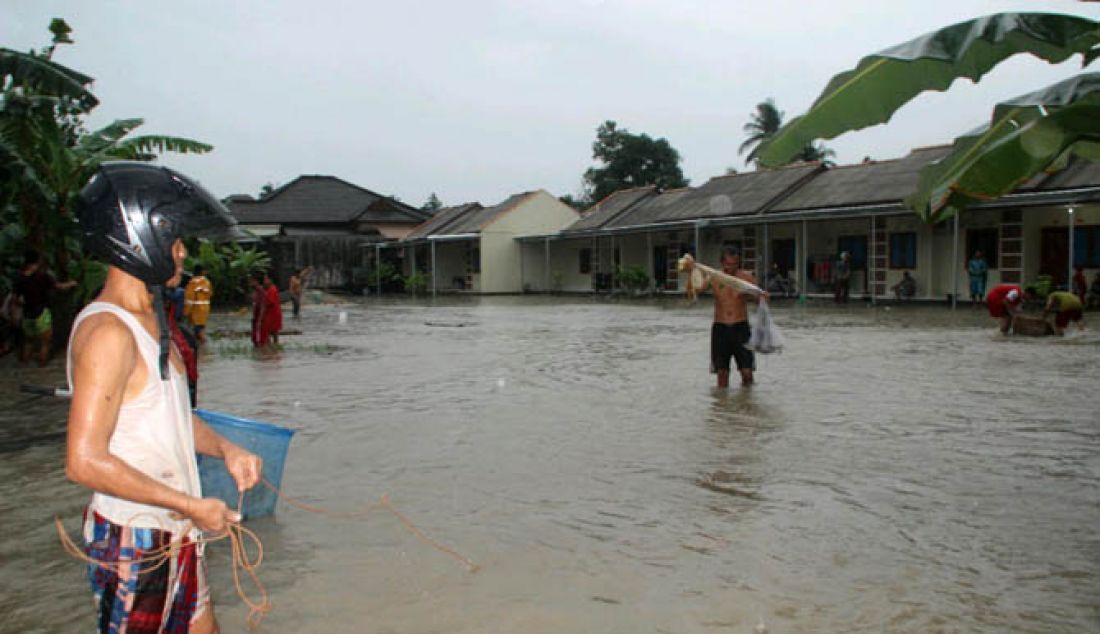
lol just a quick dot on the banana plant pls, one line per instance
(1028, 135)
(882, 82)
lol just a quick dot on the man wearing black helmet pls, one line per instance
(132, 436)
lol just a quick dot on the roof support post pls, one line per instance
(871, 263)
(522, 269)
(765, 270)
(802, 253)
(433, 268)
(955, 265)
(649, 259)
(594, 264)
(613, 268)
(1069, 270)
(378, 267)
(546, 266)
(696, 246)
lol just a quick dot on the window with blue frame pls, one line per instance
(903, 250)
(1086, 247)
(856, 246)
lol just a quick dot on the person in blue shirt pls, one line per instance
(978, 271)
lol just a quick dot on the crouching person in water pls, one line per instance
(1004, 302)
(730, 331)
(132, 436)
(1065, 307)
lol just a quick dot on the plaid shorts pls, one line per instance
(135, 598)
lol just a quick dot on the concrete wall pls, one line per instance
(538, 213)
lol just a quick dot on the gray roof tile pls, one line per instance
(611, 207)
(322, 199)
(862, 183)
(468, 218)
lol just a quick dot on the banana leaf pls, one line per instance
(883, 82)
(46, 76)
(1034, 133)
(145, 148)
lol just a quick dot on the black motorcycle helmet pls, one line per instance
(131, 214)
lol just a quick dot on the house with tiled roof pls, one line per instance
(472, 248)
(795, 221)
(323, 222)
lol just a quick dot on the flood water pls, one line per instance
(901, 470)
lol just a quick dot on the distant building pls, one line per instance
(798, 219)
(323, 222)
(473, 248)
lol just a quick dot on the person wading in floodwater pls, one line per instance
(132, 436)
(730, 331)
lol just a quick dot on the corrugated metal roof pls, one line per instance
(863, 183)
(322, 199)
(610, 207)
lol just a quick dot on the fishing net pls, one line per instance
(765, 336)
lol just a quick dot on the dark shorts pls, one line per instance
(1063, 318)
(728, 340)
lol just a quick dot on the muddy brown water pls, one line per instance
(901, 470)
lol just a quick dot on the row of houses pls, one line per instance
(795, 220)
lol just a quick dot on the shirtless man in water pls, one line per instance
(730, 331)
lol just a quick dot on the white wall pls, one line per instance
(538, 213)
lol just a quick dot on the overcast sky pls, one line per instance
(475, 100)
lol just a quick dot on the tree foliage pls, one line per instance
(228, 267)
(433, 204)
(630, 160)
(47, 154)
(764, 123)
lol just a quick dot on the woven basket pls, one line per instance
(1031, 326)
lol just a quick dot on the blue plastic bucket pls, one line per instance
(267, 441)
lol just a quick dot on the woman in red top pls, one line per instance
(273, 311)
(1004, 301)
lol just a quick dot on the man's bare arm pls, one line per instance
(245, 467)
(100, 375)
(104, 357)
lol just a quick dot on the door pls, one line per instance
(1053, 249)
(783, 255)
(660, 265)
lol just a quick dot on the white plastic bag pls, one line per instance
(765, 337)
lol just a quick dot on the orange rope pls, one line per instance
(238, 534)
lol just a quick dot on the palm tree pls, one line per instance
(762, 125)
(816, 151)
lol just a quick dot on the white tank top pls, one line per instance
(153, 434)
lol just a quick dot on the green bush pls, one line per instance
(388, 273)
(631, 278)
(228, 268)
(416, 283)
